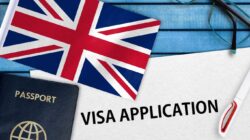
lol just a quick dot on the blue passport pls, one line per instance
(32, 109)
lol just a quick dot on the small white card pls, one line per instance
(191, 90)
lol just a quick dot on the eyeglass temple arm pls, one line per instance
(244, 20)
(234, 39)
(234, 44)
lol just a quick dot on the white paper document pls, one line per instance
(182, 97)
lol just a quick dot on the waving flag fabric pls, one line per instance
(85, 41)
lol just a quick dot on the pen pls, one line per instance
(232, 110)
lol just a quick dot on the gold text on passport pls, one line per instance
(35, 96)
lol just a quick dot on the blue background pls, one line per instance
(184, 28)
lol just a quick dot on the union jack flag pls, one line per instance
(85, 41)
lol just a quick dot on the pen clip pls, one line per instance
(227, 118)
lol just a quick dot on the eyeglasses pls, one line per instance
(234, 13)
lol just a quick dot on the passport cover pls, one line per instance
(32, 109)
